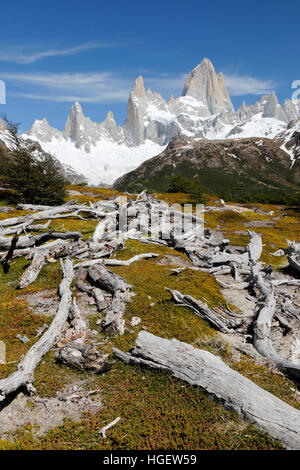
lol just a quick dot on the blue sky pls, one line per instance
(53, 53)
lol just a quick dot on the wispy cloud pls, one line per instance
(21, 55)
(110, 87)
(93, 87)
(64, 87)
(238, 85)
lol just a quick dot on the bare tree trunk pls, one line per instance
(201, 368)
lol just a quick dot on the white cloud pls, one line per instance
(106, 87)
(63, 87)
(21, 55)
(238, 85)
(93, 87)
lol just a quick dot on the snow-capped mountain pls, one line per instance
(7, 146)
(105, 151)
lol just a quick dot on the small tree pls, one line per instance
(178, 184)
(35, 177)
(196, 191)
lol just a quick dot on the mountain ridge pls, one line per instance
(204, 110)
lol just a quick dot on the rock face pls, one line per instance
(42, 130)
(204, 110)
(205, 86)
(248, 168)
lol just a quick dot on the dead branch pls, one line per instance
(24, 376)
(6, 259)
(101, 276)
(221, 320)
(108, 426)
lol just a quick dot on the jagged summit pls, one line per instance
(206, 86)
(139, 88)
(204, 110)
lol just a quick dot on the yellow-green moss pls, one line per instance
(157, 411)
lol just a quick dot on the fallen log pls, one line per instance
(203, 369)
(28, 241)
(223, 258)
(32, 272)
(6, 259)
(218, 318)
(24, 376)
(262, 324)
(78, 329)
(128, 262)
(90, 290)
(101, 276)
(54, 212)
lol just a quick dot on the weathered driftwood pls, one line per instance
(84, 356)
(78, 329)
(104, 226)
(287, 282)
(239, 286)
(221, 320)
(102, 277)
(262, 324)
(128, 262)
(6, 259)
(24, 376)
(254, 247)
(203, 369)
(29, 252)
(54, 212)
(94, 291)
(99, 299)
(32, 272)
(108, 426)
(80, 282)
(28, 241)
(223, 258)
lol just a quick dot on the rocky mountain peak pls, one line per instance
(206, 86)
(76, 108)
(43, 131)
(110, 116)
(139, 88)
(204, 111)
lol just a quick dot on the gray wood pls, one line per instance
(24, 376)
(201, 368)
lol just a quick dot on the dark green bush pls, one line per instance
(34, 178)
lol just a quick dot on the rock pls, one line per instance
(206, 86)
(6, 209)
(2, 352)
(135, 321)
(23, 339)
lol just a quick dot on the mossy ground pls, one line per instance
(156, 410)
